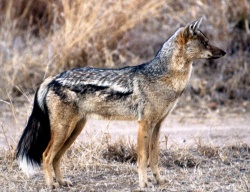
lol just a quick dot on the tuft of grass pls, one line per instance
(121, 151)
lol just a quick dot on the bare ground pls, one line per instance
(199, 152)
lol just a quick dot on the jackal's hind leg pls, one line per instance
(57, 159)
(143, 153)
(154, 153)
(48, 156)
(46, 166)
(61, 129)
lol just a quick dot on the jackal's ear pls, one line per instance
(192, 27)
(197, 23)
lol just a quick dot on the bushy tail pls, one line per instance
(36, 134)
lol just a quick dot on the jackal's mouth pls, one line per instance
(217, 56)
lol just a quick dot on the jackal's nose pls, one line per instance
(223, 53)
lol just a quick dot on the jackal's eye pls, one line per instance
(205, 43)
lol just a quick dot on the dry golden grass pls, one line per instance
(103, 166)
(45, 37)
(89, 35)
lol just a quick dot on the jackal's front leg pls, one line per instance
(154, 153)
(143, 152)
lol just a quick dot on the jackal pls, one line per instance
(146, 93)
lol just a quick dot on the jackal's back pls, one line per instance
(100, 92)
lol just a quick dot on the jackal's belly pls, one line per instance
(101, 108)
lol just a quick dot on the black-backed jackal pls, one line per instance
(146, 93)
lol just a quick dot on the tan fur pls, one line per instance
(146, 93)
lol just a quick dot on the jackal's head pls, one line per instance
(197, 45)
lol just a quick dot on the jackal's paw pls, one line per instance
(157, 180)
(55, 186)
(144, 184)
(65, 183)
(161, 181)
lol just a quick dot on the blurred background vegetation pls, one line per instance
(39, 38)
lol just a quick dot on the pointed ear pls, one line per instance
(192, 27)
(197, 23)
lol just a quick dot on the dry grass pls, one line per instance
(45, 37)
(103, 166)
(89, 35)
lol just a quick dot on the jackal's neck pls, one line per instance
(170, 59)
(171, 64)
(173, 54)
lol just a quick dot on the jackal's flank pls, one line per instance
(146, 93)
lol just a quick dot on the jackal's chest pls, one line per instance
(171, 90)
(179, 79)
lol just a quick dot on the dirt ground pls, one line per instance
(182, 127)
